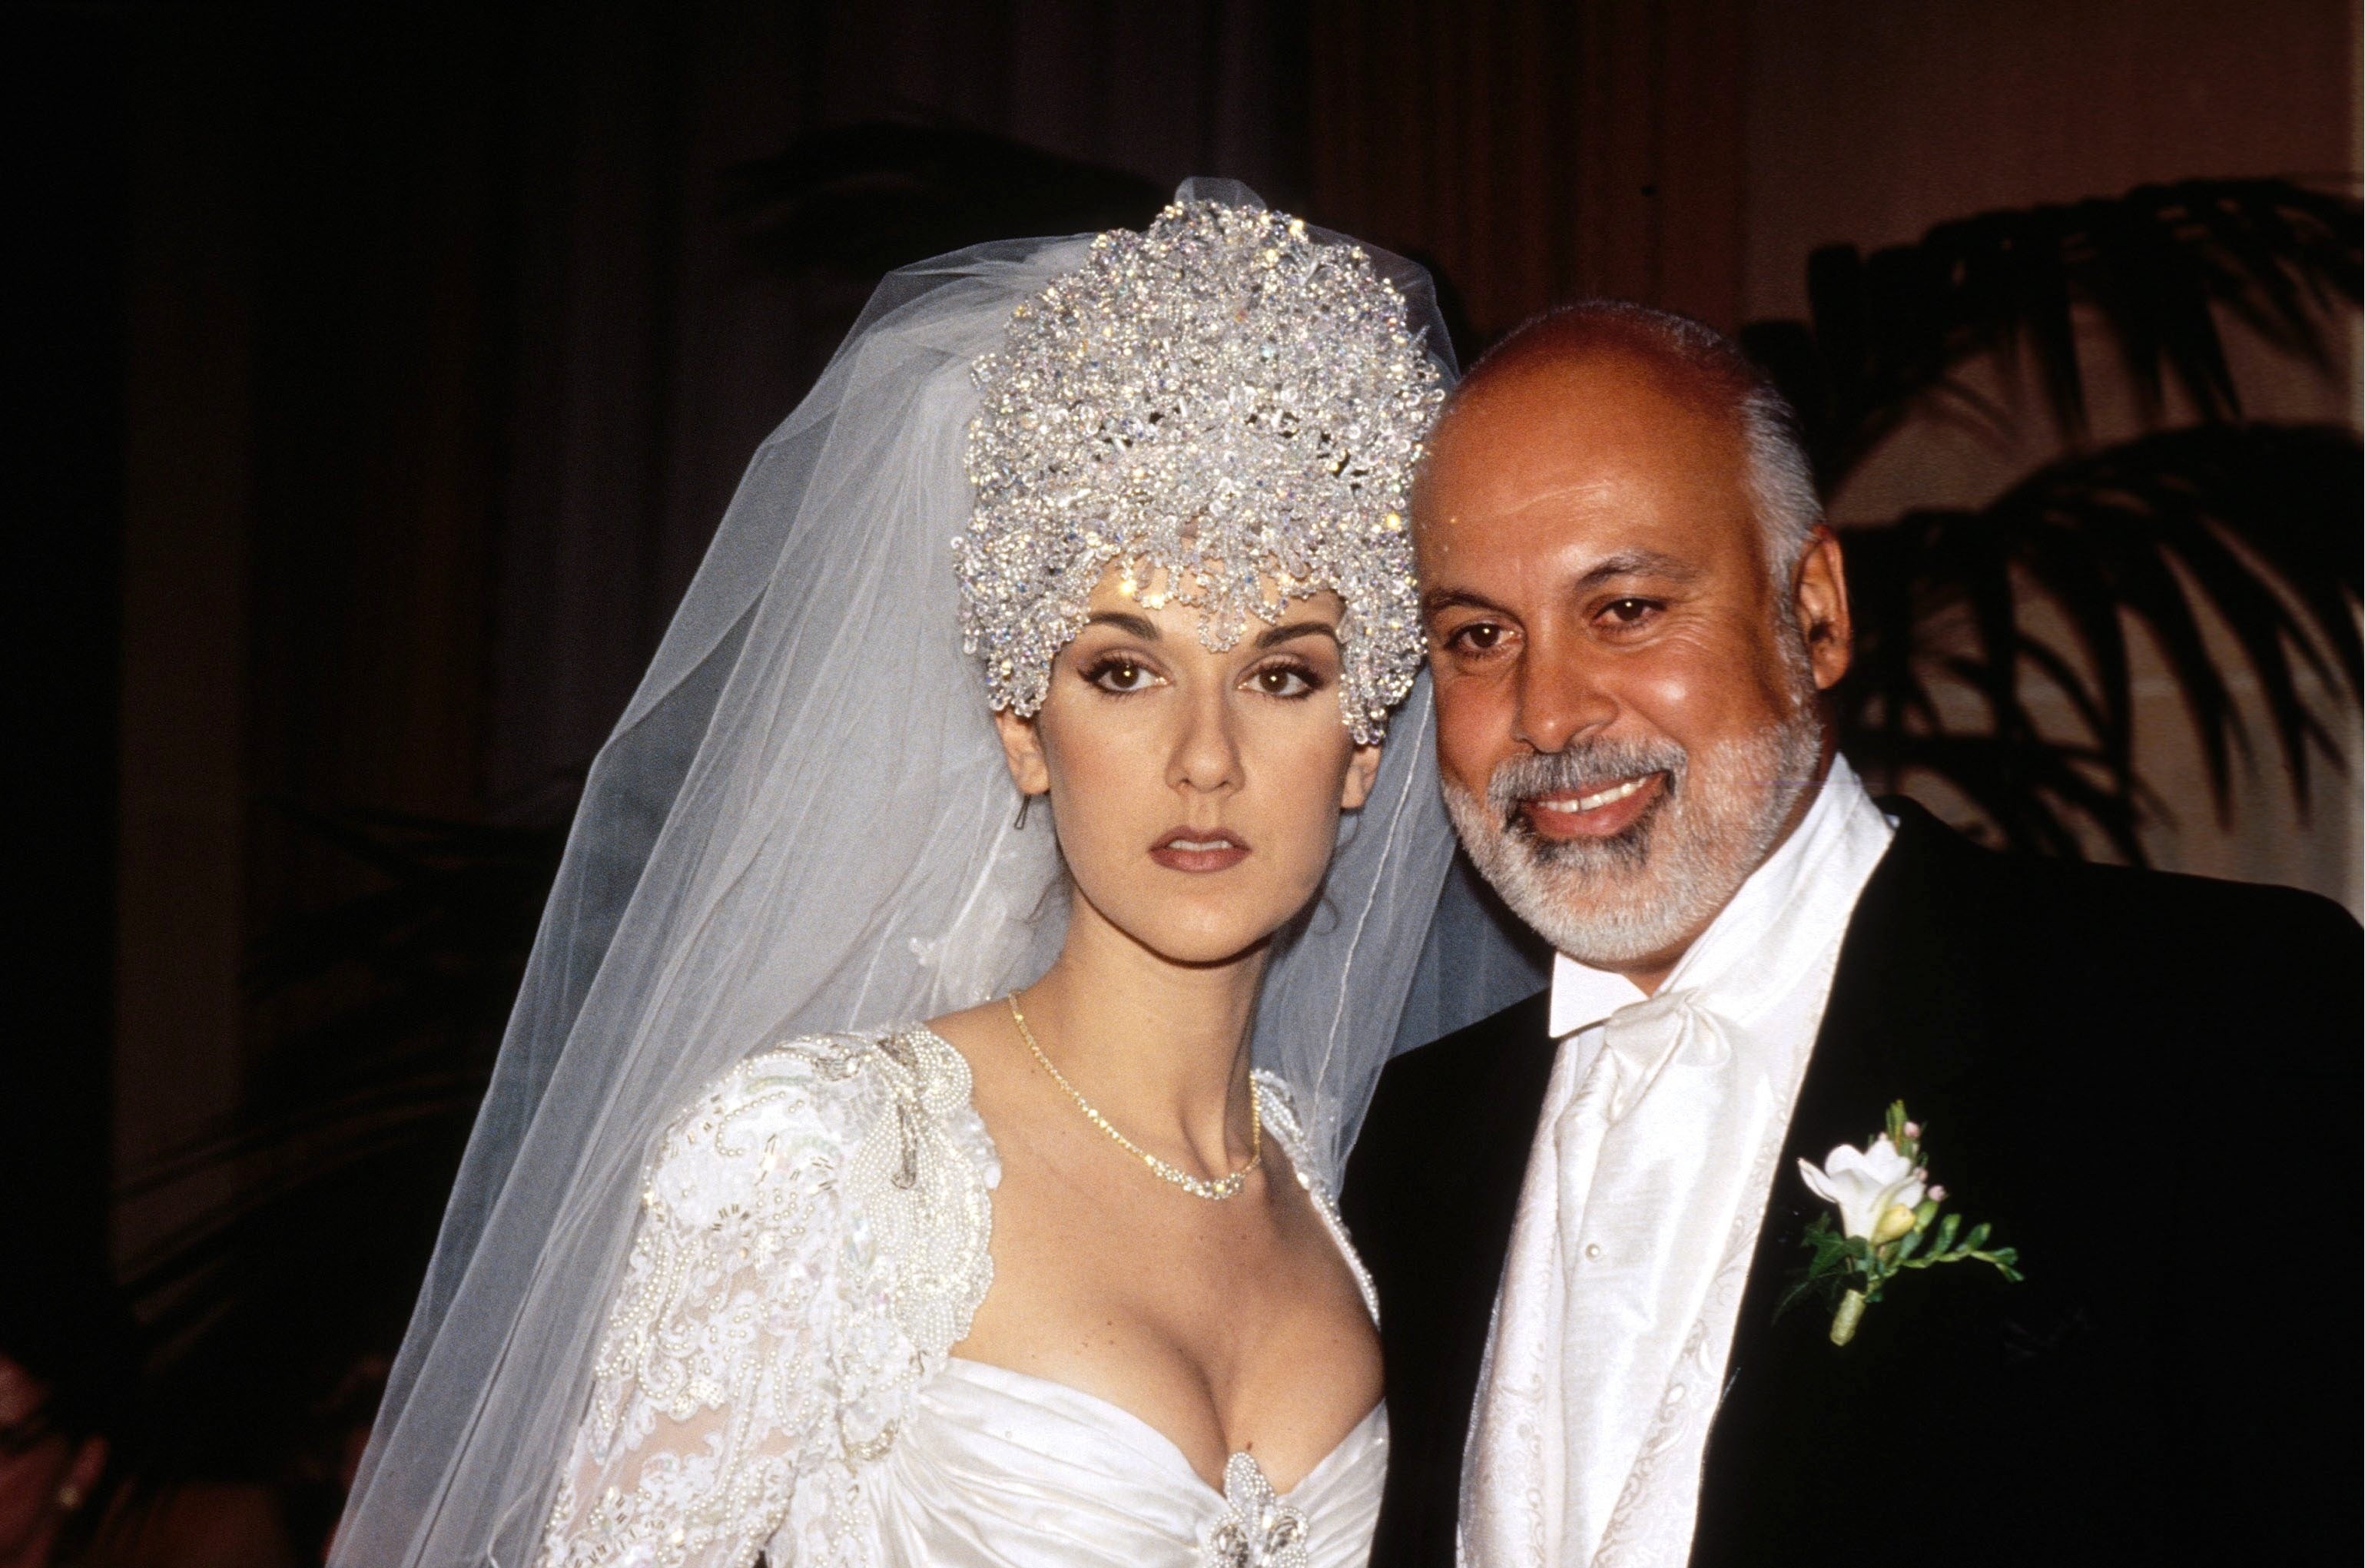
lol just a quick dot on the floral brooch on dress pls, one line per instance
(1258, 1529)
(1890, 1222)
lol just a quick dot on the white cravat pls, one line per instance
(1662, 1122)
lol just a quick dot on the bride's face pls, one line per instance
(1196, 792)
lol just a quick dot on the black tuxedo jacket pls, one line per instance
(2149, 1083)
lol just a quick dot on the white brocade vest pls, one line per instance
(776, 1373)
(1638, 1218)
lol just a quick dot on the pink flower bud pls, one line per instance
(1936, 1194)
(1913, 1129)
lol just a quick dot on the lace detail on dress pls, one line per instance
(920, 1179)
(813, 1241)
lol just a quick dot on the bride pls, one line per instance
(746, 1261)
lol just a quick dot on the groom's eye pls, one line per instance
(1622, 612)
(1478, 637)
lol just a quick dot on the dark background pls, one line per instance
(377, 375)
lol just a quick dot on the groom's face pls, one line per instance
(1626, 714)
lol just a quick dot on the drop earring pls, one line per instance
(1026, 804)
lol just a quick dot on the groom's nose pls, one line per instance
(1560, 696)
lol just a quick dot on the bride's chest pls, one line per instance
(1224, 1326)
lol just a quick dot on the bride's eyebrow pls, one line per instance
(1273, 636)
(1140, 626)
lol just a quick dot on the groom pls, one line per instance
(1587, 1215)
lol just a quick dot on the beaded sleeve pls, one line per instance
(813, 1241)
(1282, 1124)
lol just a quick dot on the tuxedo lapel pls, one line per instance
(1901, 1023)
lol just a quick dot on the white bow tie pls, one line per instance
(1638, 1041)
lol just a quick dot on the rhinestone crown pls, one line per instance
(1230, 410)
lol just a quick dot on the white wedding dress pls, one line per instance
(776, 1373)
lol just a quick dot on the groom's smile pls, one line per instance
(1600, 813)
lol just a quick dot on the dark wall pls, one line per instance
(62, 499)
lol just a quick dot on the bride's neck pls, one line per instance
(1157, 1047)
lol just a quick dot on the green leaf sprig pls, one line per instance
(1853, 1261)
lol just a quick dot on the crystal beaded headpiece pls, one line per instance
(1231, 411)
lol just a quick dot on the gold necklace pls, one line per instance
(1215, 1191)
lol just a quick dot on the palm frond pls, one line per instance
(2251, 526)
(1891, 330)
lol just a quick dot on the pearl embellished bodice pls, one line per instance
(776, 1373)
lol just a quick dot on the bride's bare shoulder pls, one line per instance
(983, 1036)
(974, 1030)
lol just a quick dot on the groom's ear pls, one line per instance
(1362, 770)
(1819, 598)
(1022, 748)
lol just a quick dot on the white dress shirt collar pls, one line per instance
(1582, 995)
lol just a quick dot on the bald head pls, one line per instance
(1697, 352)
(1686, 362)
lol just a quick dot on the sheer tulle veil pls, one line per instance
(803, 823)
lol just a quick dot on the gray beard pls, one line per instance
(1640, 893)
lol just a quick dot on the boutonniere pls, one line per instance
(1890, 1222)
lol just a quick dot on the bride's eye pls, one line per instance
(1284, 679)
(1120, 674)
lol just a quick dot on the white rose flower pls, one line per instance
(1865, 1184)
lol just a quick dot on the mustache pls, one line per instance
(1581, 767)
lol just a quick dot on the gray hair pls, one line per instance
(1781, 480)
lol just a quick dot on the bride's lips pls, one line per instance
(1599, 811)
(1200, 850)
